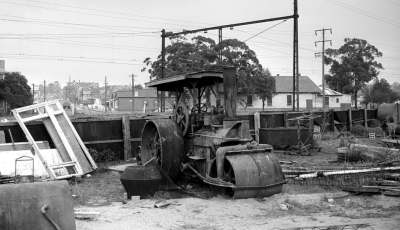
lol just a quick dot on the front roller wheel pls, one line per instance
(162, 144)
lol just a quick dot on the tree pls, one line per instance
(200, 53)
(379, 92)
(396, 88)
(352, 66)
(264, 86)
(15, 90)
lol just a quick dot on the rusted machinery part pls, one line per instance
(253, 173)
(162, 139)
(228, 185)
(43, 210)
(220, 154)
(181, 117)
(220, 157)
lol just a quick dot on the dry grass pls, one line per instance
(101, 188)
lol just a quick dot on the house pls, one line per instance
(334, 99)
(282, 98)
(145, 100)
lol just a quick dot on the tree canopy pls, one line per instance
(201, 53)
(352, 66)
(15, 90)
(379, 92)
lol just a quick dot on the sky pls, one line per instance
(88, 40)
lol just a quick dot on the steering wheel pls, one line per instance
(181, 117)
(203, 108)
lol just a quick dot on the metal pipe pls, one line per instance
(169, 34)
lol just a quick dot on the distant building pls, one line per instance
(310, 96)
(334, 99)
(282, 98)
(145, 100)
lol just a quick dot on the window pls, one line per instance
(337, 100)
(289, 100)
(269, 101)
(326, 101)
(249, 100)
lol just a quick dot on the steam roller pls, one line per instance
(205, 138)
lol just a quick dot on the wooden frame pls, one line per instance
(49, 110)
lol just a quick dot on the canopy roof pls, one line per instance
(190, 80)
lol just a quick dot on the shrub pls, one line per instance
(374, 123)
(377, 130)
(104, 155)
(359, 130)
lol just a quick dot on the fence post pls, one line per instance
(365, 118)
(350, 121)
(285, 119)
(257, 126)
(126, 131)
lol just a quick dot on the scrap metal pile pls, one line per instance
(358, 168)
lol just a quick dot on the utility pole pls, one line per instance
(322, 53)
(33, 92)
(133, 92)
(295, 57)
(44, 90)
(105, 93)
(219, 42)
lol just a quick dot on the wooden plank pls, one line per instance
(23, 146)
(126, 131)
(365, 118)
(2, 136)
(56, 140)
(257, 126)
(73, 142)
(111, 141)
(78, 138)
(66, 140)
(350, 121)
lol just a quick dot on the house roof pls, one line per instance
(330, 92)
(284, 84)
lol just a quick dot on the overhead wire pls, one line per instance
(263, 31)
(365, 13)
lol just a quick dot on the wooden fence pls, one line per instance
(122, 134)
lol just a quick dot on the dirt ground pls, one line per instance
(297, 207)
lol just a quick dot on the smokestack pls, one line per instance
(230, 92)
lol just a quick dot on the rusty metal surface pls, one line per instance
(21, 204)
(141, 180)
(162, 139)
(254, 173)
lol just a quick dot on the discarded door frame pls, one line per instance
(49, 110)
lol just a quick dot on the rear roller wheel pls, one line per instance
(162, 144)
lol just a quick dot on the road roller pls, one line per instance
(204, 137)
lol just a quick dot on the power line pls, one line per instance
(268, 28)
(58, 23)
(365, 13)
(68, 58)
